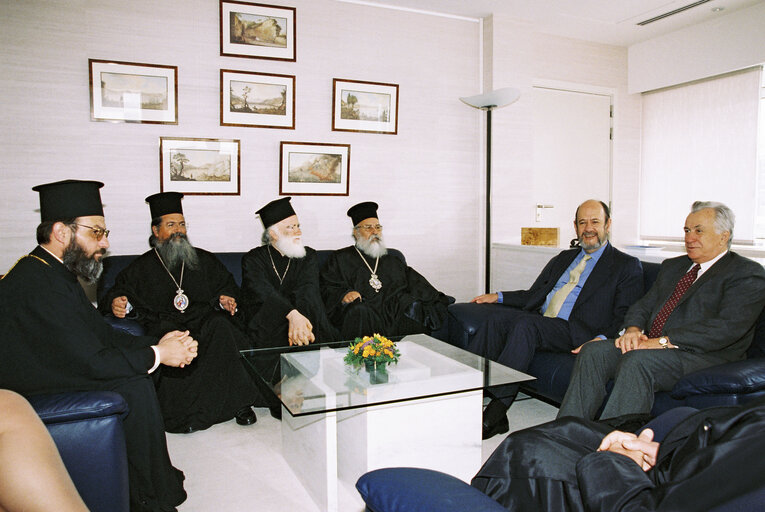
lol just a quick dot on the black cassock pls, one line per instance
(406, 303)
(709, 458)
(54, 340)
(215, 385)
(267, 300)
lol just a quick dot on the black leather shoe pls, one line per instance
(276, 411)
(245, 416)
(497, 427)
(495, 419)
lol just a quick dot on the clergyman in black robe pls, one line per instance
(215, 387)
(280, 284)
(54, 340)
(708, 459)
(367, 291)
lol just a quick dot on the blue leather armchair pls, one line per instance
(87, 429)
(726, 384)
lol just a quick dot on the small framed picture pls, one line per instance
(199, 166)
(314, 169)
(132, 92)
(255, 99)
(364, 106)
(257, 31)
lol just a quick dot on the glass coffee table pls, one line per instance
(338, 422)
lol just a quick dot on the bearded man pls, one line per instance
(175, 285)
(582, 294)
(280, 282)
(366, 290)
(54, 340)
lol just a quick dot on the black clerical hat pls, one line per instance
(165, 203)
(276, 211)
(69, 199)
(362, 211)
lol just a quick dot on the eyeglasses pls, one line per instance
(99, 233)
(370, 227)
(293, 228)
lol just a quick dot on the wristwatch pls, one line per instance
(664, 342)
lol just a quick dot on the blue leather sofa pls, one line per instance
(87, 429)
(231, 260)
(726, 384)
(425, 490)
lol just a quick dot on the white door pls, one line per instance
(572, 155)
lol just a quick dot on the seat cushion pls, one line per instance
(421, 490)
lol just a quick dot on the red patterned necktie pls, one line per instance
(682, 286)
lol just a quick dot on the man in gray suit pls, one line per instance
(700, 312)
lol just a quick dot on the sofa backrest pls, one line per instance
(113, 265)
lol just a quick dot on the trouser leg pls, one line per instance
(595, 365)
(639, 375)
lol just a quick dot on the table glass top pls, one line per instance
(315, 379)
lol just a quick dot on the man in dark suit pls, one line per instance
(700, 312)
(581, 295)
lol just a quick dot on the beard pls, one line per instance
(175, 250)
(77, 261)
(592, 246)
(292, 247)
(374, 246)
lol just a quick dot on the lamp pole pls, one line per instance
(488, 102)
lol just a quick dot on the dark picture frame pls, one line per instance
(314, 169)
(132, 92)
(361, 106)
(258, 31)
(197, 166)
(259, 100)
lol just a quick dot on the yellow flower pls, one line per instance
(356, 349)
(388, 353)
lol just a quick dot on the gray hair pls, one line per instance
(725, 219)
(266, 238)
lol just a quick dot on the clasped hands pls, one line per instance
(300, 329)
(632, 339)
(177, 348)
(641, 448)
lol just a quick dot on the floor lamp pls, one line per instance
(488, 102)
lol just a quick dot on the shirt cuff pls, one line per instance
(499, 297)
(156, 358)
(601, 336)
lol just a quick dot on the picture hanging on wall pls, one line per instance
(255, 99)
(199, 166)
(314, 169)
(364, 106)
(132, 92)
(257, 31)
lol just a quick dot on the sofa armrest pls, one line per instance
(738, 377)
(421, 490)
(77, 405)
(128, 325)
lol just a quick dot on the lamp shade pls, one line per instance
(494, 99)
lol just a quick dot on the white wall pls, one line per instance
(727, 43)
(522, 56)
(426, 178)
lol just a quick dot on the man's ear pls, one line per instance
(155, 230)
(62, 233)
(273, 234)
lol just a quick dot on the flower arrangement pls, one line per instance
(375, 350)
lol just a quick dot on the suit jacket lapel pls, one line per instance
(598, 276)
(718, 267)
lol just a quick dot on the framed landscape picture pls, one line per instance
(314, 169)
(255, 99)
(364, 106)
(257, 31)
(199, 166)
(132, 92)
